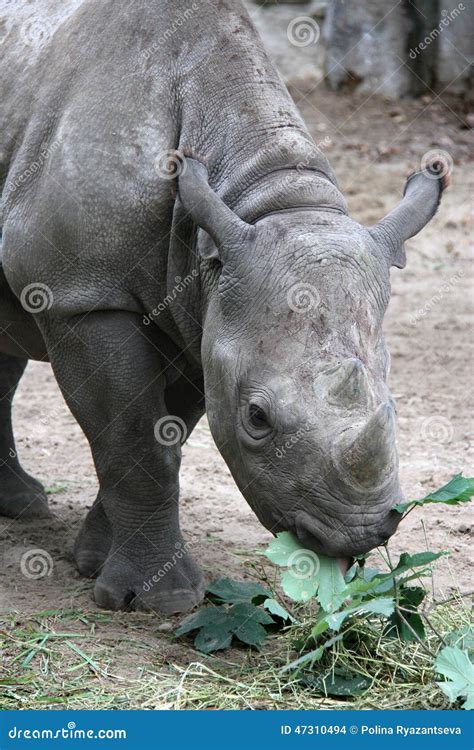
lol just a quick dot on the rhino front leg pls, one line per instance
(184, 399)
(114, 381)
(93, 543)
(21, 496)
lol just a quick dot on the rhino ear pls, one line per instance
(420, 202)
(209, 211)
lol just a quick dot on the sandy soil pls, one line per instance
(373, 145)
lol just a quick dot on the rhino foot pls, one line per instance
(23, 497)
(93, 542)
(169, 587)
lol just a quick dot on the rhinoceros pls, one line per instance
(174, 243)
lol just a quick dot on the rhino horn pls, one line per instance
(370, 457)
(349, 383)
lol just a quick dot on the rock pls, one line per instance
(470, 120)
(445, 142)
(165, 627)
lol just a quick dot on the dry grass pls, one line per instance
(65, 659)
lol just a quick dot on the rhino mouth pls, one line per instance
(336, 542)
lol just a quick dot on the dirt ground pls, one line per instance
(372, 144)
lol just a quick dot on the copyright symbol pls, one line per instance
(353, 729)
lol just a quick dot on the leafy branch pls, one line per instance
(246, 612)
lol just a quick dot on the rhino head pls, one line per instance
(295, 361)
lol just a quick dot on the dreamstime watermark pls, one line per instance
(170, 164)
(314, 150)
(66, 733)
(309, 150)
(282, 450)
(36, 298)
(36, 563)
(303, 31)
(181, 550)
(303, 564)
(432, 354)
(181, 285)
(6, 25)
(302, 297)
(11, 454)
(35, 166)
(36, 31)
(181, 18)
(436, 298)
(50, 417)
(446, 18)
(437, 429)
(437, 164)
(170, 430)
(291, 184)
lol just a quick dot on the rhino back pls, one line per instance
(102, 95)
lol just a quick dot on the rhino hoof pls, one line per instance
(25, 505)
(120, 586)
(89, 562)
(170, 602)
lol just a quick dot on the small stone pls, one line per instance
(165, 627)
(445, 142)
(470, 120)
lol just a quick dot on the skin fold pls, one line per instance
(191, 252)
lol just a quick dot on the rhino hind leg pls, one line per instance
(21, 495)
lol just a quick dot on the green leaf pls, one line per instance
(410, 598)
(382, 606)
(338, 682)
(204, 617)
(276, 609)
(280, 548)
(463, 638)
(331, 584)
(311, 656)
(298, 589)
(244, 610)
(456, 666)
(397, 627)
(307, 572)
(233, 592)
(250, 632)
(380, 587)
(406, 563)
(212, 638)
(55, 490)
(458, 490)
(217, 626)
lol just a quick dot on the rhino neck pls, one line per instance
(289, 188)
(237, 117)
(285, 170)
(275, 173)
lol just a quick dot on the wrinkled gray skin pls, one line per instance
(294, 376)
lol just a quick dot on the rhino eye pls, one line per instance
(257, 417)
